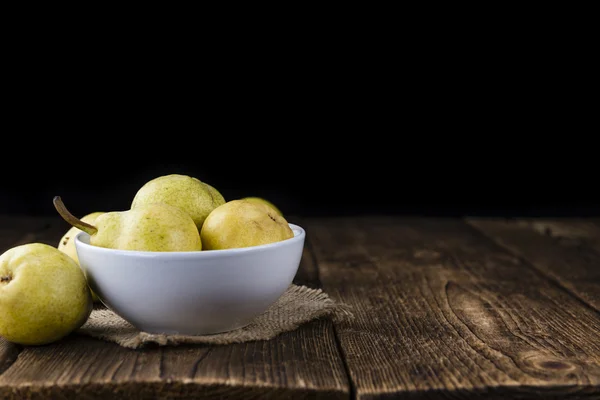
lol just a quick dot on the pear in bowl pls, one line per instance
(188, 193)
(243, 223)
(262, 200)
(148, 227)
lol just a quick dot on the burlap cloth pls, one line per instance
(298, 305)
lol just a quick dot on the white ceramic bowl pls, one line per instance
(193, 293)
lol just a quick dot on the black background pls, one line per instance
(309, 175)
(469, 158)
(442, 134)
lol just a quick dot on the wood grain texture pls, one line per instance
(8, 354)
(565, 250)
(297, 365)
(305, 363)
(443, 312)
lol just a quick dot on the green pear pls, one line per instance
(44, 295)
(67, 244)
(190, 194)
(148, 227)
(263, 201)
(242, 223)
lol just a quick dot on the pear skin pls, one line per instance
(190, 194)
(263, 201)
(44, 295)
(242, 223)
(218, 198)
(148, 227)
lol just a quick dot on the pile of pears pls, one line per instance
(180, 213)
(168, 213)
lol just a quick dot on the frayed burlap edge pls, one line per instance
(298, 305)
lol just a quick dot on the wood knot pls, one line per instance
(549, 365)
(555, 365)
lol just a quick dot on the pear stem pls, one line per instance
(71, 219)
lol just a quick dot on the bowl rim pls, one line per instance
(299, 236)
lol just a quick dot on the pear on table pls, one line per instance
(148, 227)
(44, 295)
(242, 223)
(190, 194)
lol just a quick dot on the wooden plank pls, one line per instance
(296, 365)
(442, 311)
(565, 250)
(308, 275)
(305, 363)
(8, 354)
(566, 232)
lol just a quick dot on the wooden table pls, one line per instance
(443, 308)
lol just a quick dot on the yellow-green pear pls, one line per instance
(67, 244)
(195, 197)
(148, 227)
(242, 223)
(44, 295)
(262, 200)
